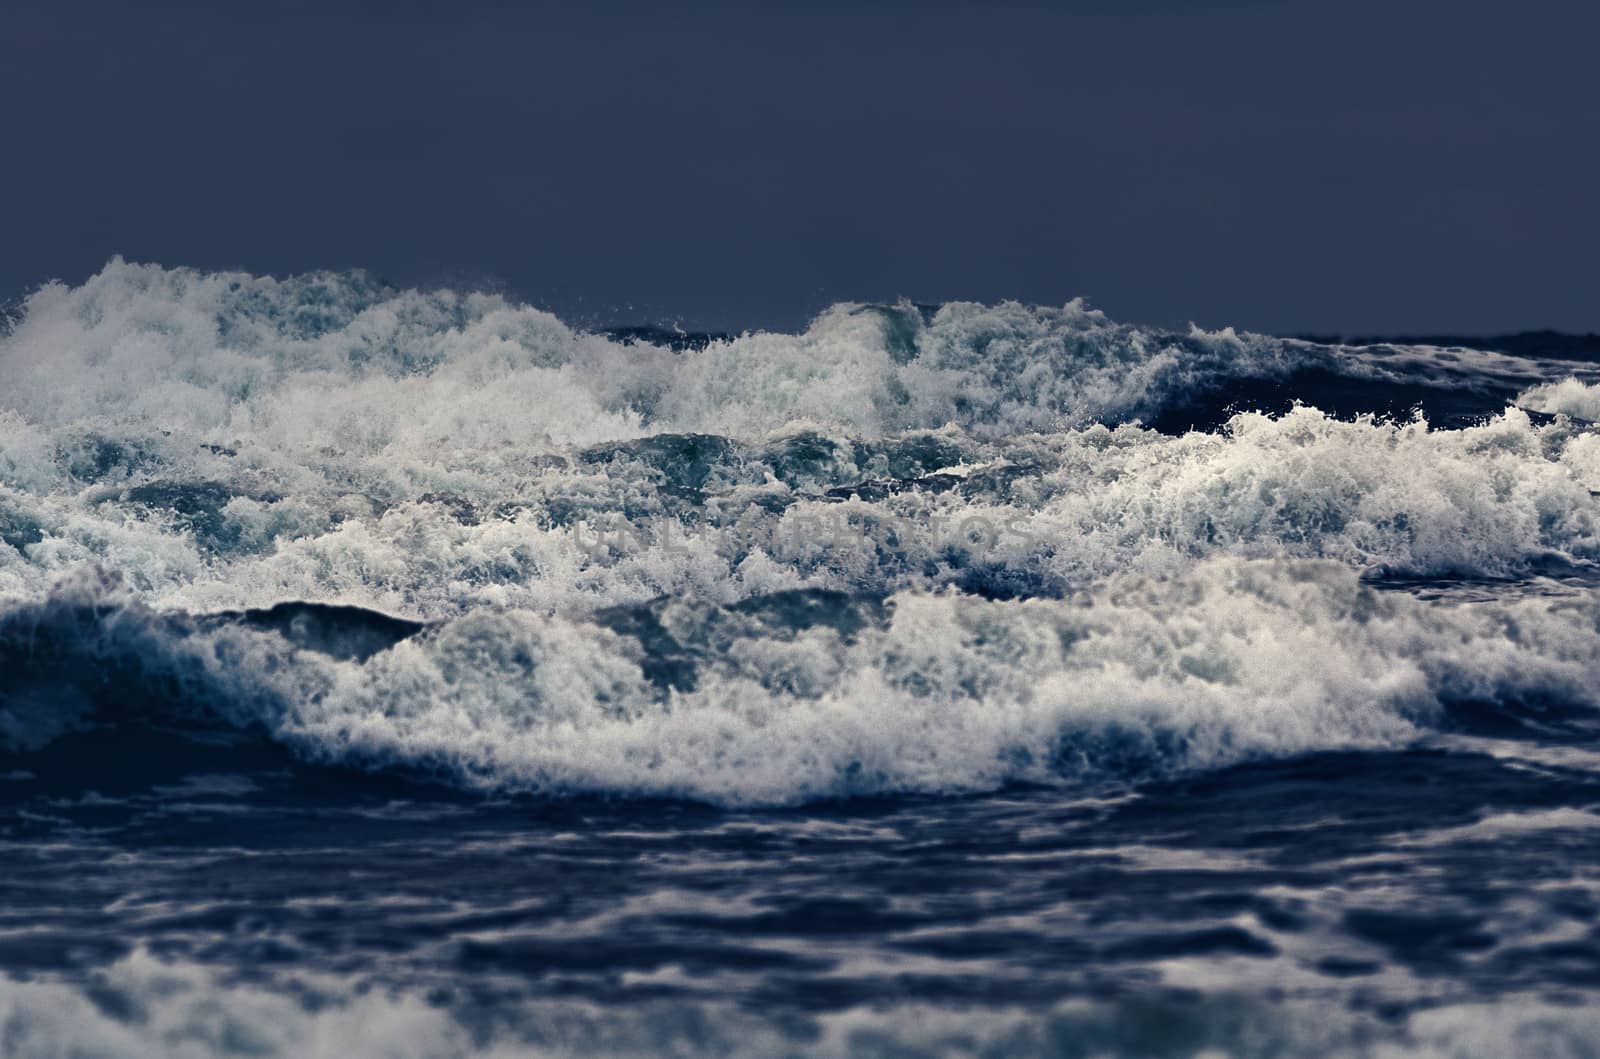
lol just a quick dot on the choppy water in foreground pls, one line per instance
(399, 673)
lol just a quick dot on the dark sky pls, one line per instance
(1343, 166)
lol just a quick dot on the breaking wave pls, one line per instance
(910, 549)
(804, 695)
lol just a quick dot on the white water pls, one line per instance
(1230, 661)
(144, 1008)
(221, 441)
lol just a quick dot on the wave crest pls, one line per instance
(804, 696)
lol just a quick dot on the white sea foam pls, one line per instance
(329, 360)
(144, 1008)
(222, 439)
(1569, 397)
(218, 440)
(208, 531)
(1231, 661)
(341, 361)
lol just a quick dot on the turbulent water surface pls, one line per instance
(407, 673)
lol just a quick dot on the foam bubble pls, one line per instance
(1569, 397)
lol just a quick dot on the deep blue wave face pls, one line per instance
(387, 672)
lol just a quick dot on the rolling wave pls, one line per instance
(908, 550)
(803, 695)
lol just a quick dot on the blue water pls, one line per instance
(405, 673)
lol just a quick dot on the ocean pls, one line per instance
(406, 673)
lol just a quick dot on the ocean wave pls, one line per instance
(141, 1006)
(906, 550)
(801, 696)
(331, 360)
(721, 519)
(1569, 397)
(230, 441)
(341, 360)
